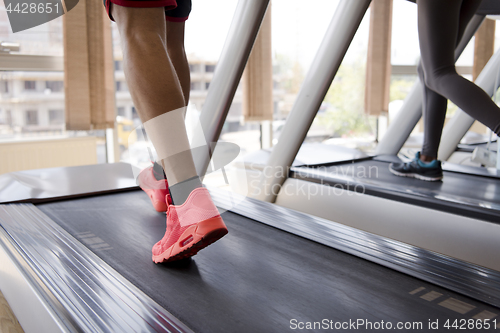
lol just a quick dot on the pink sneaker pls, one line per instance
(190, 227)
(157, 190)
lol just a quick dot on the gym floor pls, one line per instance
(8, 322)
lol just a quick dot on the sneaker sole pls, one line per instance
(159, 204)
(416, 175)
(194, 239)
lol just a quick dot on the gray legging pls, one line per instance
(441, 24)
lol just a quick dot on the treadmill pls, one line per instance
(75, 251)
(457, 217)
(466, 191)
(76, 257)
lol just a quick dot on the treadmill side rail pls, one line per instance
(30, 304)
(472, 280)
(82, 290)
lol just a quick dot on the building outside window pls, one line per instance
(209, 68)
(56, 117)
(196, 85)
(194, 68)
(29, 85)
(121, 111)
(31, 117)
(4, 87)
(8, 118)
(55, 86)
(121, 86)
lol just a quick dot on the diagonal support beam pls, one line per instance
(241, 37)
(325, 65)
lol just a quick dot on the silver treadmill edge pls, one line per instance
(466, 278)
(18, 288)
(83, 292)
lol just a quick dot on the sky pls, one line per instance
(298, 29)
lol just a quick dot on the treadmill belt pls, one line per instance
(458, 193)
(255, 279)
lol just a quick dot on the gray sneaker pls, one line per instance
(431, 171)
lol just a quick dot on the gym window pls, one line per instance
(30, 85)
(31, 117)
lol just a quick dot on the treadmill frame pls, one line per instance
(83, 293)
(472, 280)
(79, 290)
(448, 204)
(62, 272)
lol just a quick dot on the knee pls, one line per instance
(430, 82)
(140, 25)
(433, 79)
(420, 72)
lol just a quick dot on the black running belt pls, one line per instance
(257, 278)
(463, 194)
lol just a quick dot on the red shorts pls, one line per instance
(175, 10)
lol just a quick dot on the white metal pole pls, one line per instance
(241, 37)
(325, 65)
